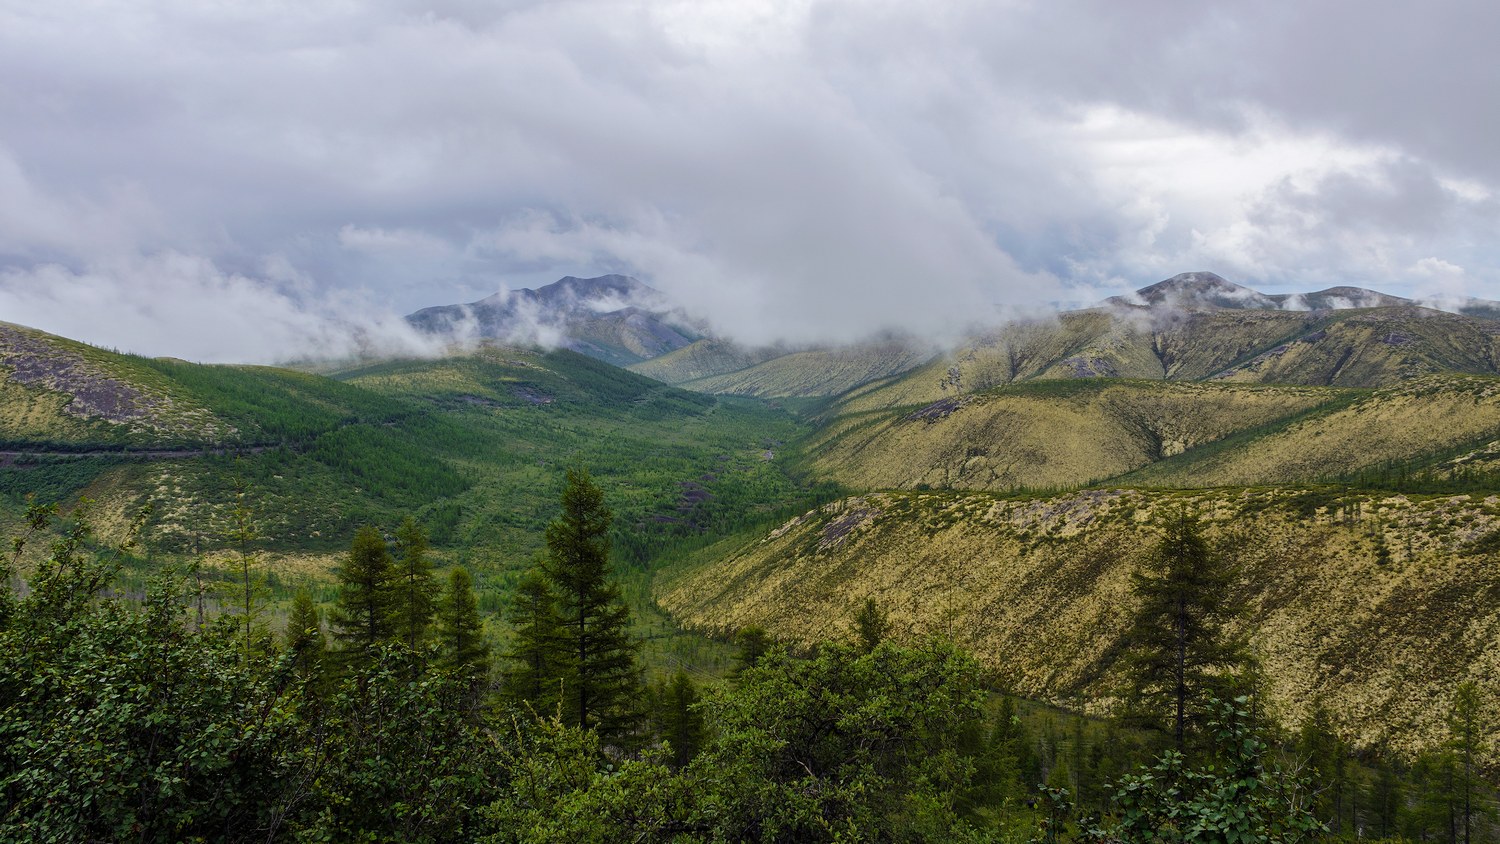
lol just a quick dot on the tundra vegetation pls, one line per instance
(967, 602)
(124, 719)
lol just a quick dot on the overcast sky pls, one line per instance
(246, 180)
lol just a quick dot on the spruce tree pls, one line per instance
(1466, 732)
(461, 639)
(754, 642)
(415, 591)
(1178, 657)
(871, 624)
(536, 651)
(364, 616)
(304, 637)
(678, 720)
(601, 679)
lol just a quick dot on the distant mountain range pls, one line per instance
(1193, 326)
(1198, 291)
(613, 318)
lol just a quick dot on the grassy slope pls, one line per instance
(1045, 433)
(1362, 348)
(702, 359)
(1377, 612)
(723, 368)
(1416, 424)
(475, 447)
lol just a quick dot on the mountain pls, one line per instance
(470, 444)
(613, 318)
(1199, 290)
(1375, 606)
(1354, 347)
(1061, 434)
(1206, 290)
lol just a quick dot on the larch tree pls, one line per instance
(536, 651)
(1178, 657)
(415, 590)
(304, 637)
(601, 680)
(461, 641)
(364, 616)
(1466, 731)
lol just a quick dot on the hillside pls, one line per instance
(1059, 434)
(1193, 328)
(1045, 433)
(1374, 605)
(703, 359)
(473, 445)
(63, 395)
(816, 372)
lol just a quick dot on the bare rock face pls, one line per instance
(93, 393)
(37, 363)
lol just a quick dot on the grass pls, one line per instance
(1373, 604)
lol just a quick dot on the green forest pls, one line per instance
(393, 716)
(516, 595)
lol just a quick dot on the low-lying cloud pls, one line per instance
(264, 182)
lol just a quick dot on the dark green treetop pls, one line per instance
(1178, 657)
(415, 590)
(365, 615)
(601, 679)
(461, 639)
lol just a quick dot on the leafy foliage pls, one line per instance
(118, 724)
(1237, 799)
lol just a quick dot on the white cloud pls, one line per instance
(797, 168)
(183, 306)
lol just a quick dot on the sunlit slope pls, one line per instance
(54, 390)
(1376, 606)
(820, 372)
(1355, 348)
(703, 359)
(1046, 433)
(1376, 347)
(1418, 424)
(60, 393)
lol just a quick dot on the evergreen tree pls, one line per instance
(536, 651)
(304, 635)
(415, 591)
(754, 642)
(871, 624)
(1327, 763)
(601, 680)
(1387, 802)
(460, 629)
(1466, 737)
(1177, 655)
(1437, 806)
(679, 721)
(251, 598)
(365, 616)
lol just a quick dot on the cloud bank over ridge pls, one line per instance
(255, 182)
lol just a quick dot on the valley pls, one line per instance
(1001, 495)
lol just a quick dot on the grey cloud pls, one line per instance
(794, 170)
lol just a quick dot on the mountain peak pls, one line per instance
(611, 317)
(1202, 289)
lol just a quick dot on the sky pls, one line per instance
(261, 180)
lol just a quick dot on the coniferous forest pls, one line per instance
(392, 716)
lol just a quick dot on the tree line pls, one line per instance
(126, 718)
